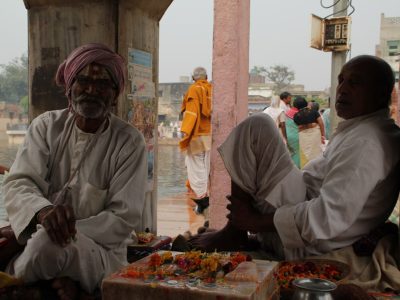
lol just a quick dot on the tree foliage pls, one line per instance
(258, 70)
(14, 80)
(24, 103)
(281, 75)
(323, 103)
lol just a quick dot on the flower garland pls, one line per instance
(289, 271)
(194, 264)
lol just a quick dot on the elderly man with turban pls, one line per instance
(75, 191)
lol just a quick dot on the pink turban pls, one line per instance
(85, 55)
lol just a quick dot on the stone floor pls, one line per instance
(175, 215)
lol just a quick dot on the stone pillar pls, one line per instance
(55, 29)
(129, 27)
(398, 99)
(230, 84)
(337, 62)
(394, 107)
(396, 102)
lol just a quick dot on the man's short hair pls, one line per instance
(386, 80)
(382, 74)
(199, 73)
(284, 95)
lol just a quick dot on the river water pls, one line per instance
(7, 156)
(171, 169)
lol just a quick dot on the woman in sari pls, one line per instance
(292, 130)
(311, 133)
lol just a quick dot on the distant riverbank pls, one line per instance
(168, 141)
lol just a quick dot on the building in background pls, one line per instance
(259, 95)
(259, 98)
(389, 43)
(13, 122)
(170, 100)
(170, 96)
(389, 50)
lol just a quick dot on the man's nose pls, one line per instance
(341, 87)
(91, 88)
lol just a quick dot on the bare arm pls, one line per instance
(282, 125)
(3, 169)
(322, 128)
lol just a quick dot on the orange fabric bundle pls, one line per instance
(197, 108)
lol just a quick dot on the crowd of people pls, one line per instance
(302, 126)
(76, 190)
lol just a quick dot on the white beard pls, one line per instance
(89, 110)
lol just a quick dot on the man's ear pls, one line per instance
(115, 100)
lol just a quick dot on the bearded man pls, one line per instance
(75, 191)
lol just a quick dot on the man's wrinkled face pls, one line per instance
(93, 92)
(357, 91)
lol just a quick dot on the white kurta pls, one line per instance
(277, 114)
(284, 106)
(352, 188)
(107, 195)
(340, 196)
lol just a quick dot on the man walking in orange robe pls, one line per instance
(196, 136)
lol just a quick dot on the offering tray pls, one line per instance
(130, 283)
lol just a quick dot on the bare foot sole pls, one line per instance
(226, 239)
(66, 288)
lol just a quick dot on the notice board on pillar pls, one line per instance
(331, 34)
(142, 99)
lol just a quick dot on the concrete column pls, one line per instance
(338, 60)
(55, 29)
(230, 83)
(396, 102)
(398, 98)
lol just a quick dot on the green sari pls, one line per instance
(292, 132)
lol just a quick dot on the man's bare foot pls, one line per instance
(67, 289)
(227, 239)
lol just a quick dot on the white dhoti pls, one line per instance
(82, 260)
(310, 144)
(198, 169)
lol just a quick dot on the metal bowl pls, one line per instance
(314, 284)
(313, 289)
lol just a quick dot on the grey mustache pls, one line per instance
(88, 98)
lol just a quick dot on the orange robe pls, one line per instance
(196, 123)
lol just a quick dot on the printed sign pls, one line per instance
(330, 34)
(139, 57)
(142, 112)
(336, 32)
